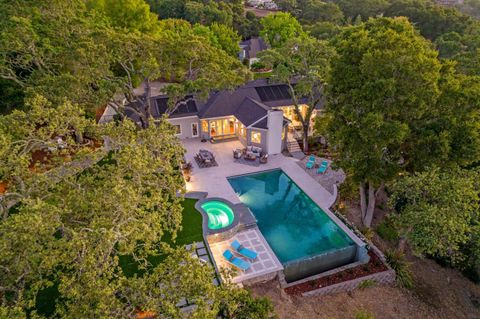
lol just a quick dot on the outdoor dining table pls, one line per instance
(206, 155)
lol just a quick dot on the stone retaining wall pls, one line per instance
(261, 279)
(383, 278)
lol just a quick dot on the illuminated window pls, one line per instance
(256, 137)
(178, 129)
(205, 126)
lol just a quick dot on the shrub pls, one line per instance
(367, 232)
(387, 231)
(367, 284)
(257, 66)
(396, 260)
(348, 190)
(363, 314)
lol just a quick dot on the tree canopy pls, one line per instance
(303, 64)
(384, 79)
(279, 27)
(438, 213)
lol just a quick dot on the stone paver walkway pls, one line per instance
(266, 262)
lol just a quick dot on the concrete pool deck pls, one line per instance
(213, 180)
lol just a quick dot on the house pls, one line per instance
(250, 48)
(258, 114)
(449, 2)
(267, 4)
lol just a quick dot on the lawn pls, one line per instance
(191, 232)
(191, 225)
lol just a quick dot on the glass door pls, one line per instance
(194, 129)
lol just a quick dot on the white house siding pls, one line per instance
(186, 126)
(275, 128)
(263, 142)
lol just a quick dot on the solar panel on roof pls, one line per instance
(273, 93)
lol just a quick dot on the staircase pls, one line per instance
(293, 147)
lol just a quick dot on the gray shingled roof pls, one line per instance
(250, 111)
(249, 103)
(253, 46)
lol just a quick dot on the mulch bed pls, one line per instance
(374, 265)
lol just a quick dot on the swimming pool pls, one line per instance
(295, 227)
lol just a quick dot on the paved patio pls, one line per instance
(213, 180)
(266, 262)
(330, 178)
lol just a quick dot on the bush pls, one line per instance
(367, 232)
(387, 231)
(363, 314)
(396, 260)
(257, 66)
(348, 190)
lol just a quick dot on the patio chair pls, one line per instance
(237, 154)
(323, 167)
(245, 252)
(311, 162)
(264, 159)
(235, 261)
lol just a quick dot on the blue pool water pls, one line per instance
(293, 225)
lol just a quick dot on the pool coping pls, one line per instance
(208, 231)
(241, 217)
(327, 211)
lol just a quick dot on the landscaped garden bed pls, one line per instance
(374, 266)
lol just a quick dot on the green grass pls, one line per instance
(191, 232)
(262, 75)
(191, 226)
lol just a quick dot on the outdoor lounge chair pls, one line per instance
(235, 261)
(311, 162)
(323, 167)
(245, 252)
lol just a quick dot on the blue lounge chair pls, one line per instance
(323, 167)
(235, 261)
(309, 165)
(245, 252)
(311, 162)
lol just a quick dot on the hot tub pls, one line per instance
(220, 214)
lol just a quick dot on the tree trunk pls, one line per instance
(371, 205)
(148, 93)
(78, 136)
(367, 203)
(363, 201)
(305, 137)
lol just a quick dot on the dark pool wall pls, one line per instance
(300, 269)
